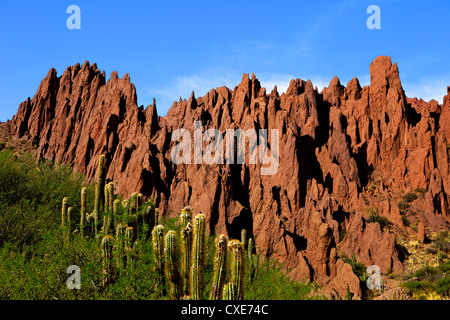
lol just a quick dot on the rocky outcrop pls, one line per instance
(336, 148)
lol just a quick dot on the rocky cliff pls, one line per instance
(344, 154)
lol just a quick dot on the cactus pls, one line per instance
(158, 252)
(349, 294)
(186, 249)
(237, 267)
(185, 216)
(251, 246)
(156, 217)
(89, 230)
(107, 259)
(65, 206)
(229, 291)
(125, 204)
(148, 218)
(119, 248)
(67, 227)
(129, 234)
(244, 238)
(116, 207)
(109, 207)
(69, 218)
(106, 207)
(139, 199)
(198, 257)
(83, 211)
(64, 223)
(220, 266)
(252, 259)
(99, 191)
(171, 265)
(134, 206)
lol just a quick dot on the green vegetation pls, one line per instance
(358, 267)
(429, 280)
(374, 216)
(111, 242)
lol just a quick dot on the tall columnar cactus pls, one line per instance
(186, 247)
(129, 234)
(220, 268)
(116, 208)
(158, 252)
(139, 200)
(171, 265)
(156, 217)
(65, 206)
(125, 205)
(244, 237)
(106, 193)
(99, 191)
(252, 259)
(89, 230)
(107, 245)
(237, 266)
(109, 207)
(119, 248)
(251, 246)
(229, 291)
(148, 217)
(67, 227)
(83, 211)
(134, 205)
(198, 257)
(185, 216)
(186, 250)
(69, 218)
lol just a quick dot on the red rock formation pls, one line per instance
(334, 146)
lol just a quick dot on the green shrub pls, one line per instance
(30, 197)
(403, 205)
(405, 221)
(409, 197)
(443, 286)
(374, 216)
(421, 191)
(358, 267)
(417, 286)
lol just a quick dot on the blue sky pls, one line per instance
(170, 48)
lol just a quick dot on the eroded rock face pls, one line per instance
(332, 146)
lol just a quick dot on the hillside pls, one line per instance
(348, 157)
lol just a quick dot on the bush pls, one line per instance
(421, 191)
(443, 286)
(358, 267)
(426, 272)
(417, 286)
(409, 197)
(403, 205)
(31, 195)
(375, 217)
